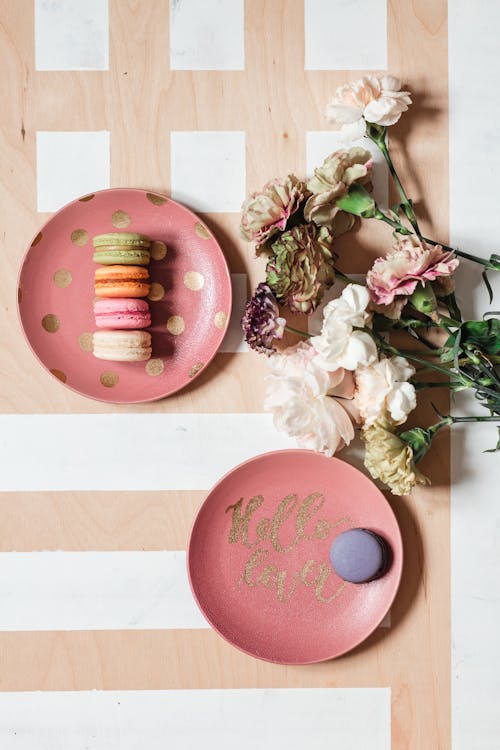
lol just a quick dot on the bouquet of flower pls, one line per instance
(352, 375)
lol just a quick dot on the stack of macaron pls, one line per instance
(120, 283)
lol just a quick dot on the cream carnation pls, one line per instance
(331, 181)
(409, 263)
(390, 459)
(297, 397)
(369, 99)
(339, 345)
(382, 388)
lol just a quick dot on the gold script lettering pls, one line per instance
(239, 523)
(292, 522)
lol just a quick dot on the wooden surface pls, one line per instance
(140, 100)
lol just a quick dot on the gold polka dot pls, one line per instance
(156, 200)
(158, 250)
(194, 280)
(195, 369)
(120, 219)
(60, 375)
(175, 325)
(37, 239)
(62, 278)
(109, 379)
(79, 237)
(202, 231)
(86, 342)
(50, 323)
(87, 198)
(19, 295)
(154, 367)
(157, 292)
(220, 319)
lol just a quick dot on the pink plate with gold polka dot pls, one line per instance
(258, 557)
(190, 296)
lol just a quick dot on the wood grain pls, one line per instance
(275, 101)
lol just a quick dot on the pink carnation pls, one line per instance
(408, 264)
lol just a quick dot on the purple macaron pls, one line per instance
(360, 555)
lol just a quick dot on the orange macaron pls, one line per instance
(122, 281)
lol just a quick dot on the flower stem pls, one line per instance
(347, 279)
(378, 136)
(461, 254)
(297, 331)
(455, 420)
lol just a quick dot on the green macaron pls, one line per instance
(122, 256)
(121, 239)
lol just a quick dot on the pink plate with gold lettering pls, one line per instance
(258, 557)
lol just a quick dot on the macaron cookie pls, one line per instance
(124, 248)
(122, 346)
(122, 313)
(122, 281)
(360, 556)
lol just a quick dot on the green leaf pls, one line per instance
(497, 447)
(488, 285)
(482, 334)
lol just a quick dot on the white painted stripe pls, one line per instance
(207, 35)
(270, 719)
(208, 169)
(321, 143)
(129, 451)
(96, 591)
(70, 164)
(345, 34)
(474, 49)
(233, 340)
(71, 35)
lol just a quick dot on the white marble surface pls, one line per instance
(207, 35)
(69, 165)
(474, 51)
(345, 34)
(317, 719)
(71, 35)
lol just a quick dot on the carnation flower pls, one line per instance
(389, 458)
(300, 267)
(370, 99)
(339, 344)
(261, 322)
(266, 213)
(297, 397)
(330, 182)
(382, 388)
(409, 263)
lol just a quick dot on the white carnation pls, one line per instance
(382, 389)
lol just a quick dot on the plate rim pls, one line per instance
(111, 400)
(236, 468)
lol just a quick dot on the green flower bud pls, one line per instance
(424, 299)
(358, 201)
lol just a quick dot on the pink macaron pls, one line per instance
(122, 313)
